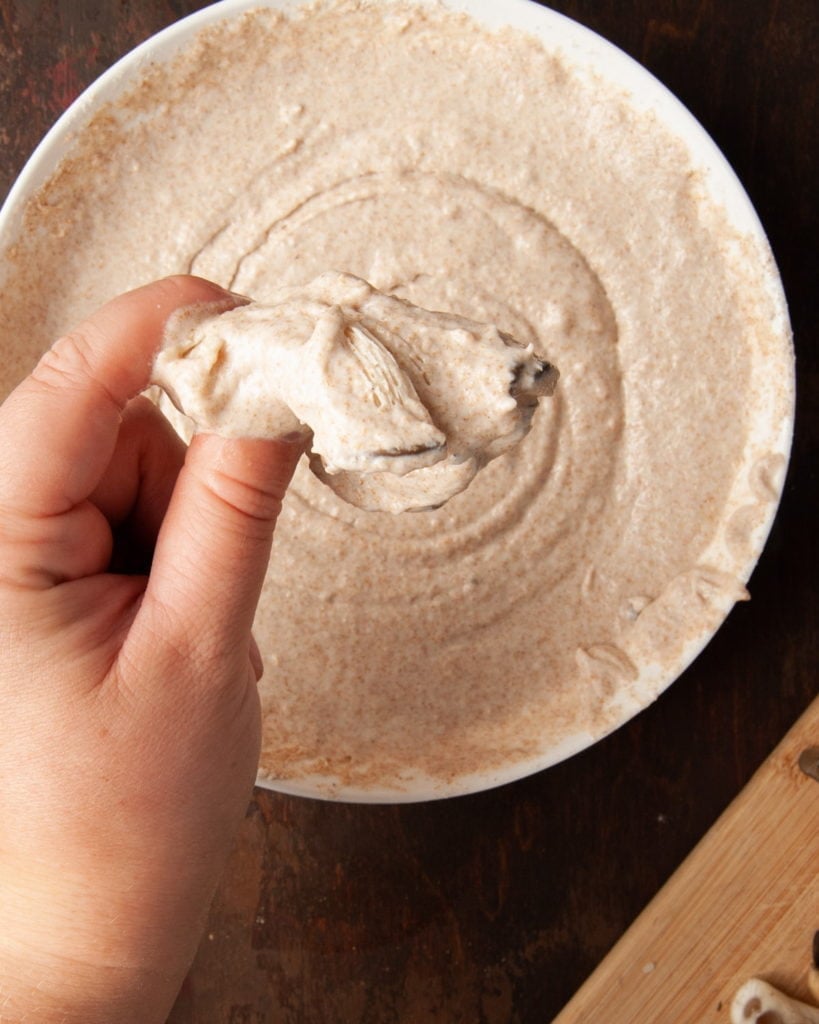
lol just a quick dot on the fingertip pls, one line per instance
(151, 305)
(186, 289)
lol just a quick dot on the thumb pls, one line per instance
(214, 545)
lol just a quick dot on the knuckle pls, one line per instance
(64, 365)
(69, 363)
(253, 503)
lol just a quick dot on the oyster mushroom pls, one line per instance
(401, 406)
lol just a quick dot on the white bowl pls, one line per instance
(594, 56)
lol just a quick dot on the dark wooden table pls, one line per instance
(494, 908)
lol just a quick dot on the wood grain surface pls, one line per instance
(493, 909)
(744, 904)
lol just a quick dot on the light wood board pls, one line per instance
(744, 903)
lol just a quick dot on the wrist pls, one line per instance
(49, 991)
(74, 957)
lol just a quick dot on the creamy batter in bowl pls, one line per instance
(543, 182)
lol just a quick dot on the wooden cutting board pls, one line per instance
(744, 903)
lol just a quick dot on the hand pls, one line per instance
(128, 702)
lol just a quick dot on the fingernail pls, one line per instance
(242, 300)
(295, 436)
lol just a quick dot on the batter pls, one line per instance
(480, 175)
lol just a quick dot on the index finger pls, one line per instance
(59, 427)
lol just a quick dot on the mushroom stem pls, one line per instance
(757, 1002)
(813, 973)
